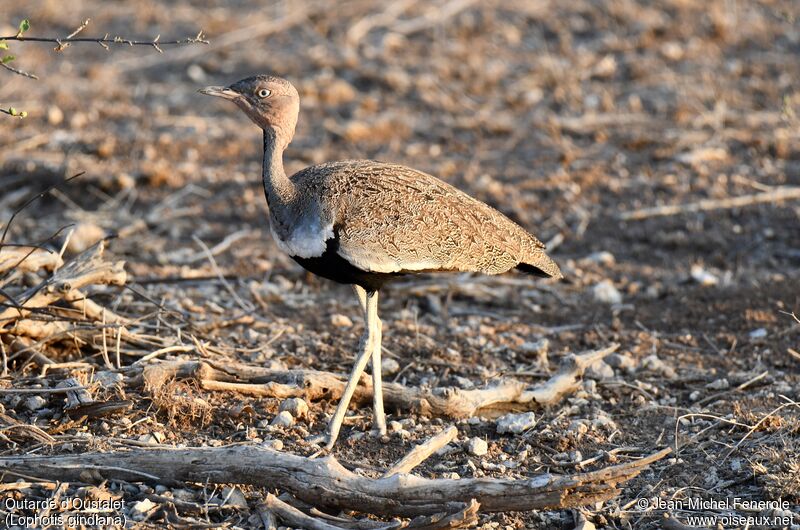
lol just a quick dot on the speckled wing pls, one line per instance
(391, 218)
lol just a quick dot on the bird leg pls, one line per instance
(378, 416)
(366, 349)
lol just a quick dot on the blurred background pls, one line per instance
(563, 115)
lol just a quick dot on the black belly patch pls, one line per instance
(334, 267)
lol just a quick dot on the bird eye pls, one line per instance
(263, 93)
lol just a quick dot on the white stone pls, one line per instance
(341, 321)
(395, 426)
(143, 506)
(653, 364)
(702, 276)
(83, 236)
(389, 366)
(621, 361)
(35, 403)
(603, 258)
(477, 446)
(578, 427)
(275, 445)
(297, 407)
(606, 293)
(283, 419)
(516, 423)
(107, 378)
(759, 333)
(234, 497)
(719, 384)
(600, 371)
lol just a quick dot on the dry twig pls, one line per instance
(422, 451)
(325, 483)
(313, 385)
(784, 193)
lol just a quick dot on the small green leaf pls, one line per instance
(24, 26)
(3, 45)
(7, 59)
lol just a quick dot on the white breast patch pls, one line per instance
(308, 239)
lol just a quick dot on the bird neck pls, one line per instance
(278, 187)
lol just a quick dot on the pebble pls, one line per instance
(759, 333)
(54, 115)
(234, 497)
(578, 427)
(389, 366)
(620, 361)
(600, 371)
(84, 236)
(584, 524)
(297, 407)
(196, 73)
(275, 445)
(394, 426)
(603, 422)
(602, 258)
(35, 403)
(606, 293)
(719, 384)
(516, 423)
(463, 382)
(538, 349)
(341, 321)
(702, 276)
(107, 378)
(653, 364)
(283, 419)
(477, 446)
(149, 439)
(143, 506)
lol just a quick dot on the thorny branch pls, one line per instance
(64, 42)
(105, 40)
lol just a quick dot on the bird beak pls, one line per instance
(220, 92)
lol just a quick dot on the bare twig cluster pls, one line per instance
(63, 43)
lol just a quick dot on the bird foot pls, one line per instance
(380, 434)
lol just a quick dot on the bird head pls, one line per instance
(271, 102)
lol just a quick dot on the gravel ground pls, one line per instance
(563, 115)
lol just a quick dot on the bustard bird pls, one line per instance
(363, 222)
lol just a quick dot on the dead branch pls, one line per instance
(294, 517)
(325, 482)
(88, 268)
(567, 379)
(422, 451)
(105, 40)
(783, 193)
(314, 385)
(28, 259)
